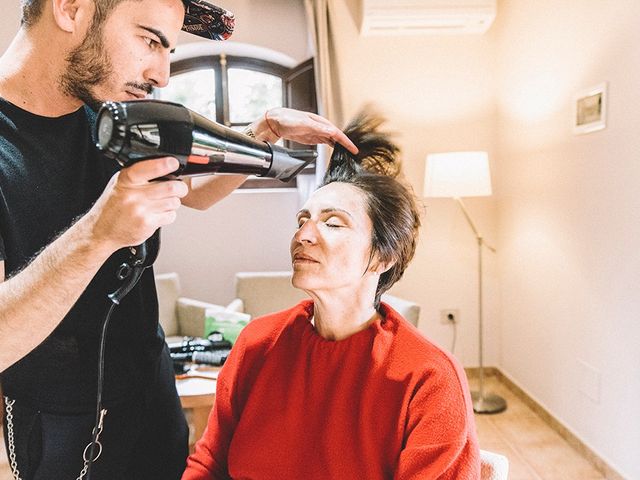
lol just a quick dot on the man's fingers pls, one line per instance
(335, 134)
(142, 172)
(166, 218)
(338, 136)
(165, 189)
(167, 205)
(318, 118)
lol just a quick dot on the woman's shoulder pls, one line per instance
(413, 351)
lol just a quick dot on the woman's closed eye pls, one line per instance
(330, 222)
(334, 222)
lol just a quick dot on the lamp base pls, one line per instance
(488, 403)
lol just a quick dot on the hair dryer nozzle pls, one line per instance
(286, 164)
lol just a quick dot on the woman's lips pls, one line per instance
(301, 258)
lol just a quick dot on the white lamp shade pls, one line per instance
(457, 174)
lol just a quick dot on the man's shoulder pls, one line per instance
(7, 123)
(9, 133)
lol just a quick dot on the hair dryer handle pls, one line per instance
(141, 256)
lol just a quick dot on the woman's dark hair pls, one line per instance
(391, 204)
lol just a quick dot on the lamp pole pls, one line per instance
(482, 403)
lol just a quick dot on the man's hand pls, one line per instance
(132, 207)
(302, 127)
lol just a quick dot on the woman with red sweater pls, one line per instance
(341, 386)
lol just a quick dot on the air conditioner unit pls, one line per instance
(413, 17)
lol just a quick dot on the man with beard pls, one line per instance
(66, 217)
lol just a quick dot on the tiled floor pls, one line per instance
(534, 450)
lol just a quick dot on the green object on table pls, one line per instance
(230, 324)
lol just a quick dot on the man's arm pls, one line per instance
(302, 127)
(35, 300)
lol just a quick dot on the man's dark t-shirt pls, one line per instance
(50, 174)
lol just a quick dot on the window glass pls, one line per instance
(194, 90)
(251, 94)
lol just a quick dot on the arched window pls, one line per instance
(236, 89)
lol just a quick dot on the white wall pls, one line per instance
(9, 22)
(568, 217)
(247, 231)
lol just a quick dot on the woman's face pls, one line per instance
(331, 248)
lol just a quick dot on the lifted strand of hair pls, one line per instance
(378, 154)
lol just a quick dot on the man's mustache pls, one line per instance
(145, 87)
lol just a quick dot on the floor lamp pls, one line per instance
(456, 175)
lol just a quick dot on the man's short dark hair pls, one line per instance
(32, 11)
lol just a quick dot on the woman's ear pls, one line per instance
(73, 16)
(380, 267)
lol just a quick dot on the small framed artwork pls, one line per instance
(590, 111)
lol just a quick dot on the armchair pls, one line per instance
(259, 293)
(180, 316)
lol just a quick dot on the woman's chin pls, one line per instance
(302, 281)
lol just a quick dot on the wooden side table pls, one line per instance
(197, 391)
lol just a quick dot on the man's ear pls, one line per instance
(73, 16)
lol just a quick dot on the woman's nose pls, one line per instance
(307, 233)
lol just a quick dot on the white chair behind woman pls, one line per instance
(493, 466)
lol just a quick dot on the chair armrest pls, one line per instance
(236, 305)
(191, 315)
(408, 309)
(493, 466)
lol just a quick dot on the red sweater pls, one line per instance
(384, 403)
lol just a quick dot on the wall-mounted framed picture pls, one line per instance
(590, 109)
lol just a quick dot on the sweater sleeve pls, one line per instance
(440, 440)
(209, 460)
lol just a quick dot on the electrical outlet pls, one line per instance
(450, 315)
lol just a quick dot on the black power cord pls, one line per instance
(141, 257)
(97, 428)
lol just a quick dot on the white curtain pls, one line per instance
(327, 85)
(325, 65)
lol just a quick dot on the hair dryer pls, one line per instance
(139, 130)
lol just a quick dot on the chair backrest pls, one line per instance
(493, 466)
(168, 288)
(408, 309)
(267, 292)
